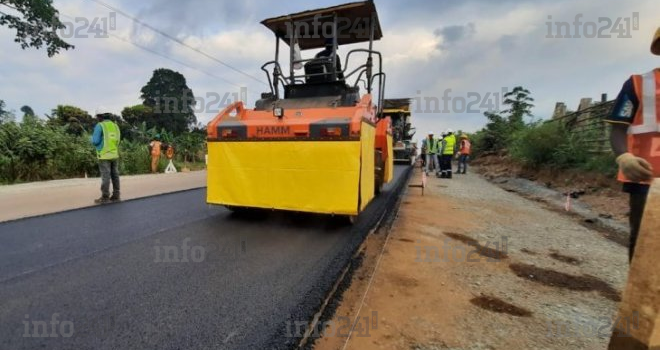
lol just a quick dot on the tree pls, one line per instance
(27, 110)
(498, 133)
(36, 23)
(76, 120)
(28, 115)
(520, 106)
(494, 135)
(171, 101)
(138, 114)
(5, 114)
(190, 145)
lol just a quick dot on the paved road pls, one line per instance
(169, 272)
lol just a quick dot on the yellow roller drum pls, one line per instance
(389, 164)
(368, 181)
(308, 176)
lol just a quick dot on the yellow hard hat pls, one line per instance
(463, 136)
(655, 46)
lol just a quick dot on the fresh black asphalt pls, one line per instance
(170, 272)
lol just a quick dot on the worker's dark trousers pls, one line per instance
(462, 163)
(109, 172)
(637, 204)
(446, 166)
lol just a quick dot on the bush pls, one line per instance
(134, 158)
(604, 164)
(549, 144)
(36, 150)
(74, 157)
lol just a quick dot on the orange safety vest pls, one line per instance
(155, 148)
(466, 146)
(170, 152)
(644, 132)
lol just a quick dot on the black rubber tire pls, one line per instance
(379, 168)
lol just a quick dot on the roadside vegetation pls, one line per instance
(58, 146)
(535, 144)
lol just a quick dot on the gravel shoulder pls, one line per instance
(470, 265)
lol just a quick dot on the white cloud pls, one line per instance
(485, 46)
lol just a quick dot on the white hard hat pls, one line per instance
(431, 133)
(449, 131)
(102, 110)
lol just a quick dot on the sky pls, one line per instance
(460, 52)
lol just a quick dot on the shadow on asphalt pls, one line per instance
(291, 220)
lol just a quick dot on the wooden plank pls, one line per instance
(640, 307)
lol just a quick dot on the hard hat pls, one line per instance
(431, 133)
(102, 110)
(463, 136)
(655, 46)
(449, 131)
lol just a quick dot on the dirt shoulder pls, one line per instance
(472, 266)
(38, 198)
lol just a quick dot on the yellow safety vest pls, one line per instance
(450, 143)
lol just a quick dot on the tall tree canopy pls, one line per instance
(27, 110)
(520, 105)
(36, 23)
(76, 120)
(2, 109)
(171, 101)
(502, 126)
(138, 114)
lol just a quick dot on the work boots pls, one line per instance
(102, 200)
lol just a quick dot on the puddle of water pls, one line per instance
(556, 279)
(500, 306)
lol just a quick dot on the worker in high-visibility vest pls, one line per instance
(447, 154)
(432, 148)
(464, 149)
(635, 138)
(155, 148)
(106, 139)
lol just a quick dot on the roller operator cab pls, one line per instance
(399, 112)
(317, 142)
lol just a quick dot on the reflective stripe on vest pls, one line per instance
(449, 145)
(110, 148)
(644, 132)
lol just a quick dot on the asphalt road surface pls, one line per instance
(170, 272)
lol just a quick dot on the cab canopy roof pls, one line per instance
(396, 105)
(354, 21)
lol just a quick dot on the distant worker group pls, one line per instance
(438, 153)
